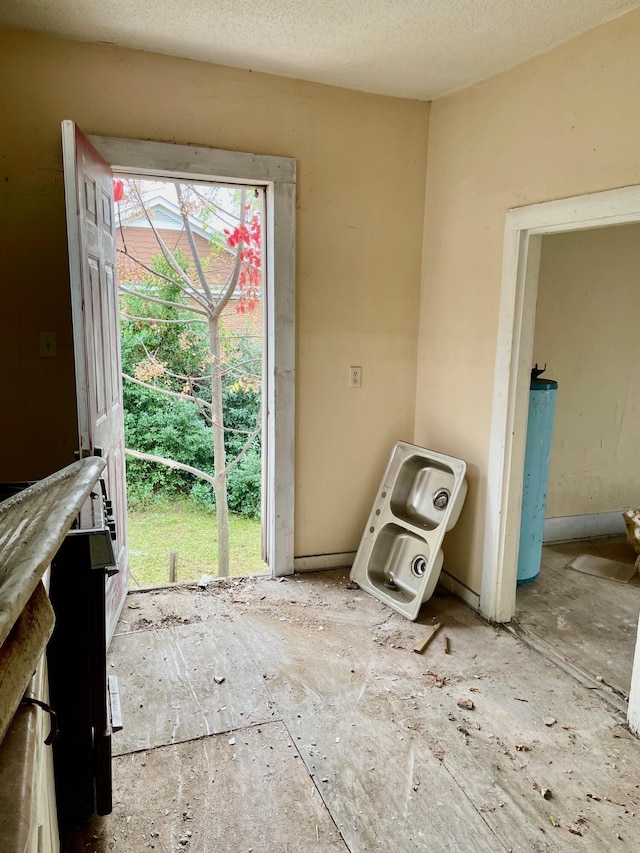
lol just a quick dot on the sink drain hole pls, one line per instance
(419, 566)
(441, 499)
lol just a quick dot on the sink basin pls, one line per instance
(420, 498)
(422, 493)
(398, 562)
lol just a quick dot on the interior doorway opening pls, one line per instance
(190, 271)
(524, 230)
(584, 603)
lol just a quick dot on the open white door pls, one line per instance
(88, 182)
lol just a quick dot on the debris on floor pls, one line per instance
(316, 728)
(422, 645)
(602, 567)
(632, 523)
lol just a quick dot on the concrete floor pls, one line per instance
(329, 733)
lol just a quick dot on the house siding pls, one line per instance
(142, 245)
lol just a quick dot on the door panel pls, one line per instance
(96, 330)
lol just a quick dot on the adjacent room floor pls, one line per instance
(267, 717)
(591, 622)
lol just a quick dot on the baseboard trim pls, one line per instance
(458, 588)
(583, 526)
(324, 562)
(344, 560)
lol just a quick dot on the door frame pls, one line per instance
(277, 175)
(524, 229)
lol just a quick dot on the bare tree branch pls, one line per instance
(170, 463)
(169, 256)
(218, 208)
(198, 380)
(190, 293)
(232, 368)
(247, 443)
(158, 319)
(166, 302)
(204, 284)
(232, 281)
(189, 398)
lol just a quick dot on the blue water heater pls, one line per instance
(542, 404)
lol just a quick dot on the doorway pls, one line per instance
(190, 274)
(522, 249)
(275, 177)
(584, 603)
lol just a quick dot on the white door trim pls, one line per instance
(277, 175)
(522, 242)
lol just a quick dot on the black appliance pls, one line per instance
(85, 700)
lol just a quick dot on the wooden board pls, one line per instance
(601, 567)
(167, 689)
(381, 781)
(589, 620)
(209, 795)
(514, 691)
(397, 763)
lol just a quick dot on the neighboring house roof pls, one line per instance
(134, 231)
(166, 215)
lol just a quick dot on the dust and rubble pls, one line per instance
(306, 669)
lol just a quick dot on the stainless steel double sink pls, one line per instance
(400, 555)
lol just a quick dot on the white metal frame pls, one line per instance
(524, 230)
(278, 177)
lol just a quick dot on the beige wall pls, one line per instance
(361, 169)
(563, 124)
(587, 332)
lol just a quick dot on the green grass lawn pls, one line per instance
(191, 531)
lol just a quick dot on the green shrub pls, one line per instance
(176, 429)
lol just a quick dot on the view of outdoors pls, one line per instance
(190, 275)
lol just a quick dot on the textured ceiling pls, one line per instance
(410, 48)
